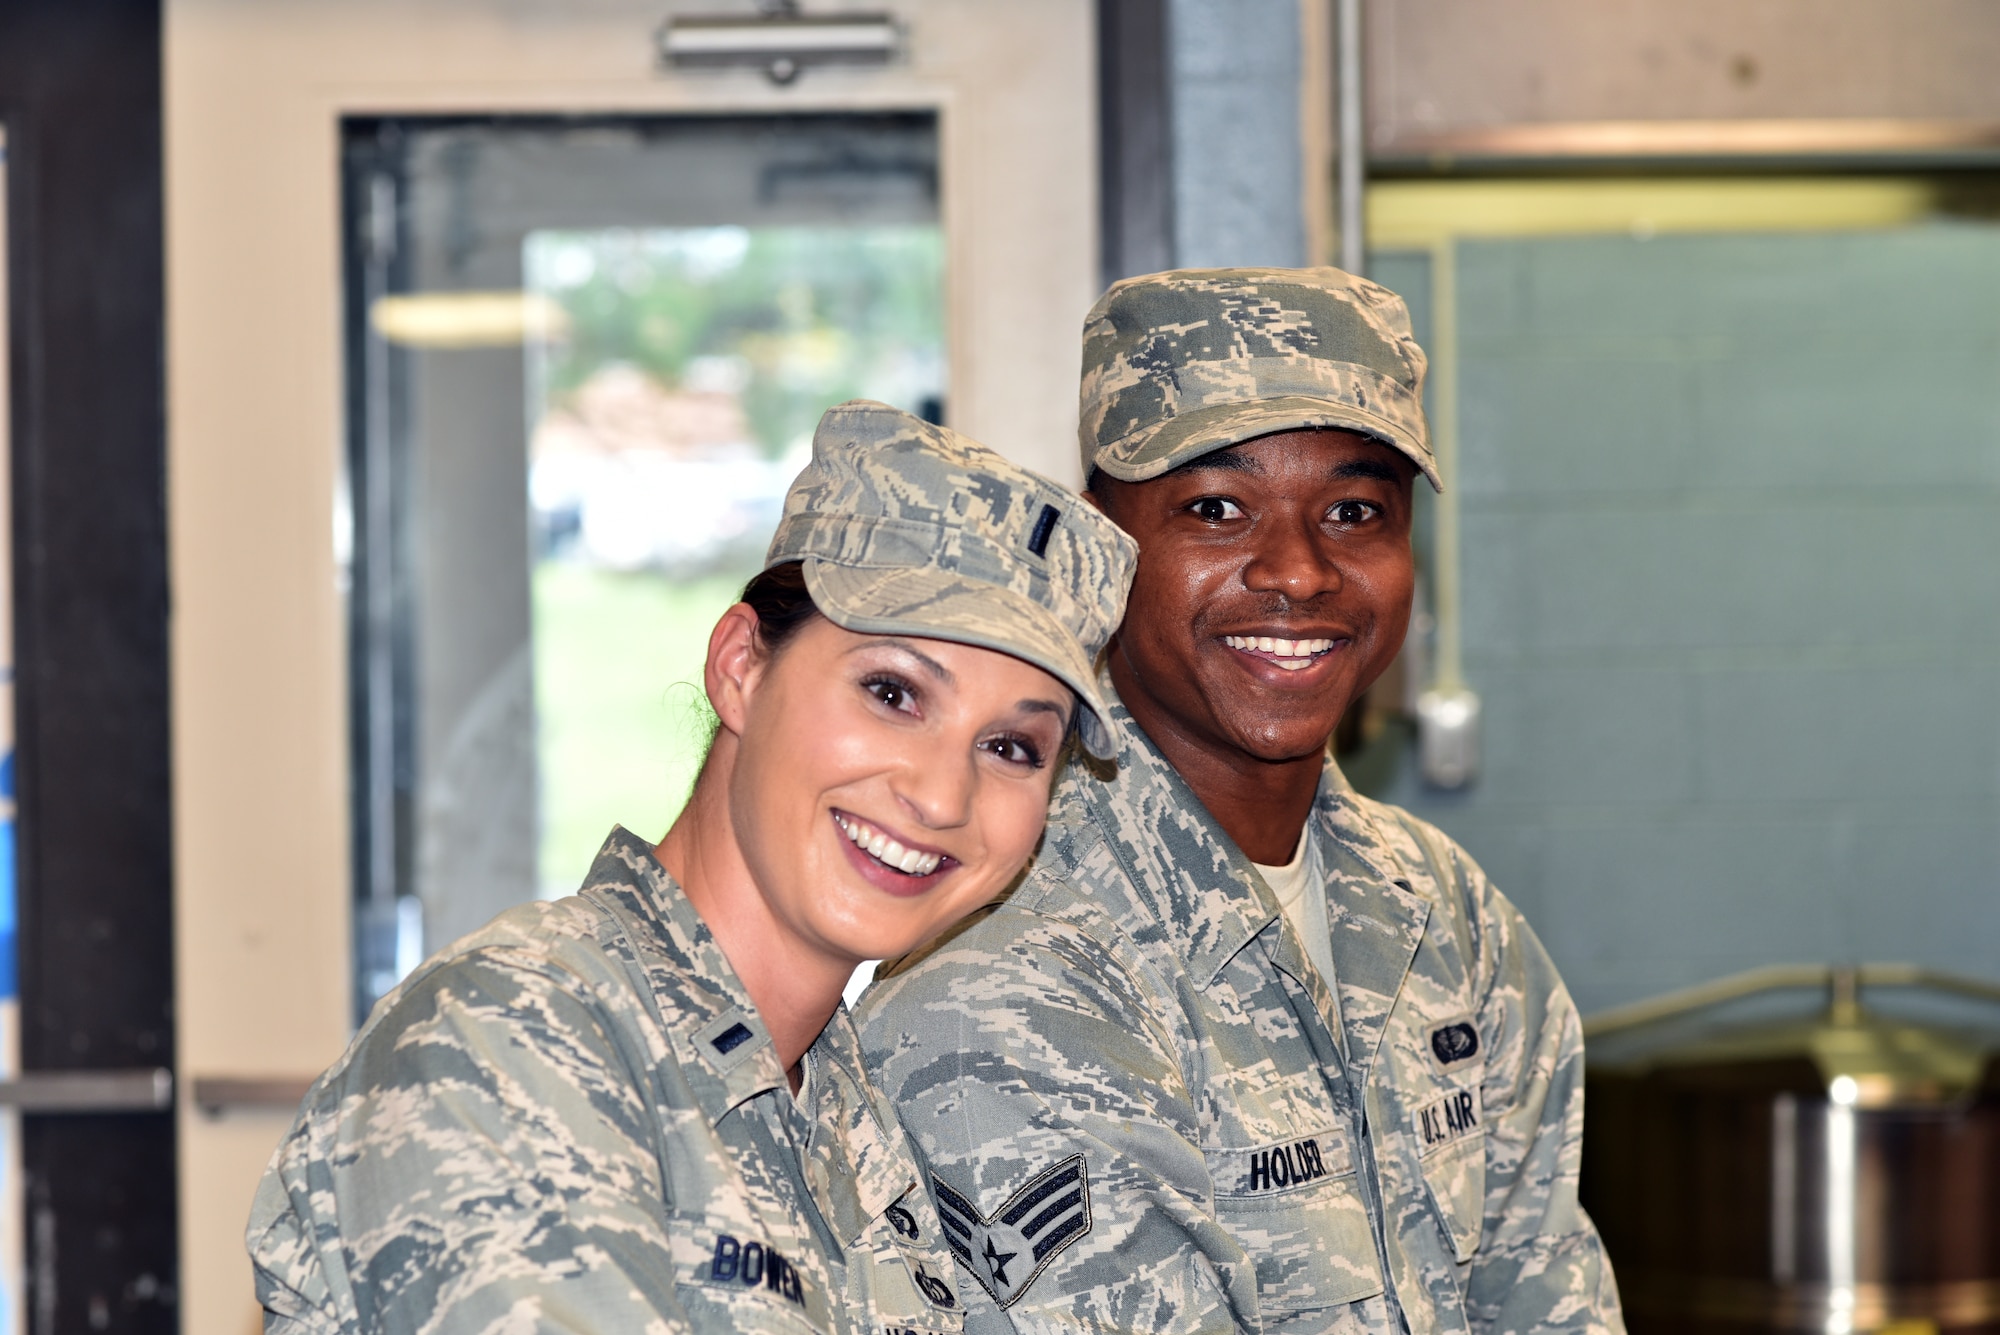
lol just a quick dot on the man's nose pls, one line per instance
(1293, 558)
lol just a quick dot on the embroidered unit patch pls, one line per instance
(1454, 1043)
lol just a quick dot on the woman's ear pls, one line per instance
(734, 661)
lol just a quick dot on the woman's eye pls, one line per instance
(1351, 512)
(1214, 509)
(1015, 751)
(897, 695)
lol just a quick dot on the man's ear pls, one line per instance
(734, 664)
(1101, 490)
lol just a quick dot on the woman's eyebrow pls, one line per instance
(937, 669)
(1039, 706)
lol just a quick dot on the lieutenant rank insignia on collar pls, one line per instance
(1030, 1229)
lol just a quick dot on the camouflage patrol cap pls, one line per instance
(908, 528)
(1181, 363)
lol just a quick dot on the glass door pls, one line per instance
(586, 357)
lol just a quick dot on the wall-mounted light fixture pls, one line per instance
(780, 40)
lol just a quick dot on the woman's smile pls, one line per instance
(897, 866)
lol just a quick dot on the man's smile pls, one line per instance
(1293, 655)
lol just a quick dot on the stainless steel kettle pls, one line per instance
(1836, 1173)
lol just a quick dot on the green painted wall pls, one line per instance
(1732, 591)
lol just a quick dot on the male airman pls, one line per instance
(1247, 1049)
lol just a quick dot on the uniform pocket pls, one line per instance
(1451, 1134)
(910, 1283)
(732, 1279)
(1296, 1208)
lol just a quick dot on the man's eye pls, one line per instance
(1351, 512)
(1214, 509)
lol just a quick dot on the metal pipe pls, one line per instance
(1448, 711)
(140, 1089)
(1772, 978)
(215, 1094)
(1842, 1154)
(1749, 983)
(1353, 143)
(1448, 673)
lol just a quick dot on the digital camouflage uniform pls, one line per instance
(1138, 1105)
(573, 1121)
(1140, 1012)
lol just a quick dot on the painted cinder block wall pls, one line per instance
(1731, 503)
(1732, 597)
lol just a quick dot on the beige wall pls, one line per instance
(1436, 67)
(254, 93)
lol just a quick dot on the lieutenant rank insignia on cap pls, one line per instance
(1030, 1229)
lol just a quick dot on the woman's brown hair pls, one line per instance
(782, 603)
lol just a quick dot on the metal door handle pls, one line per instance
(214, 1093)
(142, 1089)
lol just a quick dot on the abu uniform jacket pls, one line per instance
(573, 1121)
(1139, 1108)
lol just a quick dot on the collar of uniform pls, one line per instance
(726, 1053)
(855, 1169)
(1195, 880)
(1377, 919)
(1209, 898)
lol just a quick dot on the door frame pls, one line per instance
(255, 97)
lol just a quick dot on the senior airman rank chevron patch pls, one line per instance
(1031, 1228)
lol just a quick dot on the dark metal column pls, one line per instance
(1135, 138)
(80, 93)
